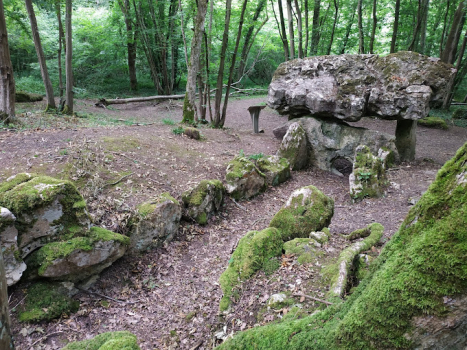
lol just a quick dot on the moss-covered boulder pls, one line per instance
(368, 178)
(253, 251)
(121, 340)
(276, 170)
(294, 147)
(306, 210)
(433, 122)
(23, 96)
(45, 301)
(243, 179)
(46, 210)
(203, 201)
(157, 222)
(80, 257)
(303, 248)
(415, 293)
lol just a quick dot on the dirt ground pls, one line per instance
(169, 297)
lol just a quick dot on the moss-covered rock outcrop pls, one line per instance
(276, 169)
(306, 210)
(121, 340)
(420, 274)
(243, 179)
(203, 201)
(252, 253)
(294, 147)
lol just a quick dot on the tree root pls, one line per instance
(360, 233)
(348, 255)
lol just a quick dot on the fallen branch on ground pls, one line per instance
(106, 297)
(116, 182)
(312, 298)
(119, 101)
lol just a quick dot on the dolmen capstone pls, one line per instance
(400, 86)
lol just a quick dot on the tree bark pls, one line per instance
(61, 40)
(307, 29)
(285, 42)
(291, 30)
(443, 34)
(232, 65)
(220, 74)
(68, 61)
(336, 9)
(6, 342)
(7, 82)
(449, 53)
(49, 91)
(361, 44)
(130, 42)
(349, 28)
(423, 27)
(315, 28)
(300, 29)
(190, 112)
(395, 27)
(373, 29)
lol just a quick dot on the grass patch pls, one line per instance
(168, 121)
(434, 122)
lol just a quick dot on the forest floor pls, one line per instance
(169, 297)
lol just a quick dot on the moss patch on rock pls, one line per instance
(121, 340)
(306, 210)
(253, 251)
(203, 200)
(423, 263)
(148, 208)
(46, 301)
(434, 122)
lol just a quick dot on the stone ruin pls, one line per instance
(401, 86)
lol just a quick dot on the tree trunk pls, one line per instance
(7, 82)
(449, 53)
(336, 9)
(300, 29)
(395, 27)
(373, 29)
(131, 43)
(291, 30)
(361, 44)
(443, 34)
(419, 34)
(49, 91)
(220, 74)
(190, 112)
(61, 39)
(285, 42)
(307, 29)
(349, 28)
(68, 61)
(6, 342)
(315, 29)
(423, 27)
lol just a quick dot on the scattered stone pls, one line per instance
(203, 201)
(321, 236)
(412, 200)
(243, 179)
(368, 178)
(303, 248)
(280, 131)
(107, 341)
(157, 223)
(294, 147)
(276, 170)
(192, 133)
(276, 301)
(306, 210)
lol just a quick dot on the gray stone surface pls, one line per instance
(14, 265)
(275, 169)
(203, 201)
(294, 147)
(243, 179)
(347, 87)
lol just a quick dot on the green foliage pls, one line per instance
(168, 121)
(256, 156)
(122, 340)
(178, 130)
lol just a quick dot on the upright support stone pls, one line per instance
(5, 334)
(254, 113)
(406, 139)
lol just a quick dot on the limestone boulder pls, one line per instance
(203, 201)
(275, 169)
(157, 222)
(243, 179)
(368, 178)
(294, 147)
(398, 86)
(78, 258)
(306, 210)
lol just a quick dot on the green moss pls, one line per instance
(23, 96)
(196, 196)
(434, 122)
(46, 301)
(423, 263)
(369, 173)
(252, 253)
(121, 340)
(303, 213)
(148, 208)
(125, 143)
(188, 111)
(202, 218)
(280, 168)
(303, 249)
(240, 167)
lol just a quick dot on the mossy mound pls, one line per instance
(460, 114)
(148, 208)
(121, 340)
(303, 248)
(254, 250)
(244, 179)
(306, 210)
(276, 170)
(422, 264)
(433, 122)
(46, 301)
(203, 200)
(23, 96)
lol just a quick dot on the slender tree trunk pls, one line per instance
(361, 44)
(349, 28)
(232, 65)
(449, 53)
(373, 29)
(49, 91)
(6, 343)
(61, 39)
(68, 61)
(130, 42)
(208, 41)
(336, 10)
(419, 34)
(315, 29)
(291, 30)
(450, 89)
(7, 82)
(285, 42)
(190, 112)
(395, 27)
(300, 29)
(182, 27)
(220, 74)
(307, 28)
(441, 43)
(423, 26)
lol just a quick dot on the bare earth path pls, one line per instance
(171, 295)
